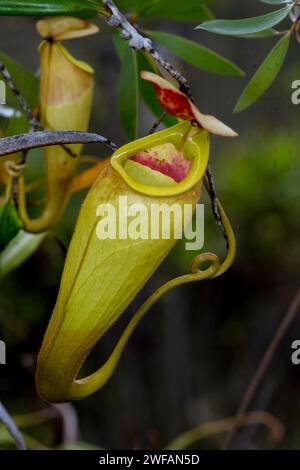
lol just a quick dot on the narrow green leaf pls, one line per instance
(79, 8)
(265, 75)
(276, 2)
(247, 25)
(19, 249)
(25, 80)
(120, 45)
(10, 224)
(128, 88)
(148, 93)
(195, 54)
(191, 10)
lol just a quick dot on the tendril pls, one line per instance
(13, 169)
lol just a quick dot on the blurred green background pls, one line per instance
(193, 355)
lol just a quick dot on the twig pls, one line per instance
(295, 25)
(67, 413)
(34, 124)
(214, 201)
(12, 428)
(263, 366)
(141, 43)
(157, 123)
(24, 142)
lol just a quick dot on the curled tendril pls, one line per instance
(212, 428)
(81, 388)
(205, 258)
(13, 169)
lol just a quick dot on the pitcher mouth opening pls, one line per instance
(165, 159)
(169, 163)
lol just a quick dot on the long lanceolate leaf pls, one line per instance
(195, 54)
(79, 8)
(10, 224)
(128, 93)
(265, 75)
(19, 249)
(128, 88)
(188, 10)
(276, 2)
(248, 25)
